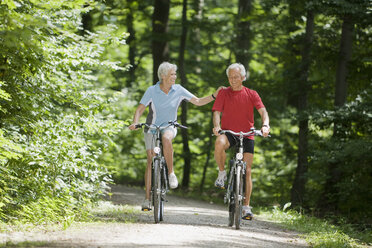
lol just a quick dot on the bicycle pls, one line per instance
(159, 170)
(235, 190)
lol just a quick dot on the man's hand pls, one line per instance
(133, 126)
(216, 130)
(265, 131)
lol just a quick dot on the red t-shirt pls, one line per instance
(237, 108)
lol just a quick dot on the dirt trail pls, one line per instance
(187, 223)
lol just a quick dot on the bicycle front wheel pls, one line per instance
(157, 191)
(231, 196)
(238, 195)
(163, 190)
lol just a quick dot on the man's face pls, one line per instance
(235, 78)
(171, 77)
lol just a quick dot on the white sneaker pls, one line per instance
(173, 182)
(247, 213)
(220, 181)
(146, 205)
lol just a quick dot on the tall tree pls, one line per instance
(160, 51)
(131, 42)
(331, 188)
(181, 63)
(243, 37)
(298, 186)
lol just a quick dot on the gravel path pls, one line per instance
(187, 223)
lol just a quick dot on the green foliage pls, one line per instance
(320, 233)
(108, 212)
(351, 150)
(55, 119)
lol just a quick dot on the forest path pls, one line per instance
(187, 223)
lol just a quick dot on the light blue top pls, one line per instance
(163, 107)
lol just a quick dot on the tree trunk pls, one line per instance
(329, 197)
(210, 146)
(130, 41)
(185, 136)
(298, 186)
(243, 38)
(160, 51)
(198, 6)
(87, 22)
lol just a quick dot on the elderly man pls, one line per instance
(163, 100)
(236, 103)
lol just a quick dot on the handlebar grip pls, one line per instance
(176, 124)
(138, 125)
(181, 126)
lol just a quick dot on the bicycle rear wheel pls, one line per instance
(238, 195)
(157, 190)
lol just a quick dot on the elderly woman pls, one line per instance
(163, 100)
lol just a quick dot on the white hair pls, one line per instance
(241, 68)
(164, 69)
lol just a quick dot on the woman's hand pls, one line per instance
(133, 126)
(218, 90)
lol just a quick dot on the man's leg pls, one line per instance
(248, 158)
(222, 143)
(247, 209)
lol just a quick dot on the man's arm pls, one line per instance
(265, 121)
(137, 115)
(216, 122)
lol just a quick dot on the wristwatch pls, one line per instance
(266, 126)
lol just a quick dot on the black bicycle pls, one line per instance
(159, 169)
(235, 190)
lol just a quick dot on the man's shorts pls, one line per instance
(248, 144)
(150, 138)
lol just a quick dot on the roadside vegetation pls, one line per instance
(329, 232)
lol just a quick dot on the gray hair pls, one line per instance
(241, 68)
(164, 68)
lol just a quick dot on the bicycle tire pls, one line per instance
(230, 190)
(163, 190)
(157, 191)
(231, 214)
(238, 195)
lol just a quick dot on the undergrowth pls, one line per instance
(320, 232)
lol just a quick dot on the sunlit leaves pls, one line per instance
(55, 120)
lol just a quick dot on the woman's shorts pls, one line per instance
(150, 138)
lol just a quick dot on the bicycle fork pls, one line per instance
(236, 167)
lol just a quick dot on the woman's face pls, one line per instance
(235, 79)
(171, 77)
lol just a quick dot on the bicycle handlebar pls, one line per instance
(253, 132)
(153, 126)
